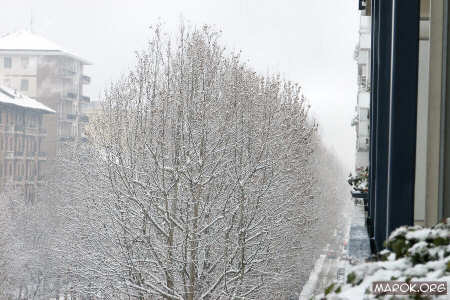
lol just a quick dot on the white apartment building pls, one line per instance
(361, 120)
(43, 70)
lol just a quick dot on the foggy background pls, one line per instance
(307, 41)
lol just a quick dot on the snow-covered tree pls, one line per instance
(201, 179)
(26, 267)
(195, 182)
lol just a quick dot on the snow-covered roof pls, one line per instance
(10, 96)
(28, 41)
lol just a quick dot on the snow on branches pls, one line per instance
(199, 180)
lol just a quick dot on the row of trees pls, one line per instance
(201, 180)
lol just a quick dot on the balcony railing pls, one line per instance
(85, 79)
(18, 128)
(66, 72)
(9, 155)
(363, 83)
(70, 96)
(85, 99)
(18, 153)
(42, 155)
(355, 121)
(84, 118)
(67, 139)
(71, 116)
(362, 4)
(9, 128)
(32, 130)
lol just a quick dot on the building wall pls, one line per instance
(57, 82)
(21, 155)
(21, 68)
(422, 125)
(362, 121)
(433, 11)
(361, 159)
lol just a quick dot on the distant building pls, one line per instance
(43, 70)
(21, 138)
(361, 121)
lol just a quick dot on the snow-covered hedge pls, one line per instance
(412, 254)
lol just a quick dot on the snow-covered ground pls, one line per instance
(358, 243)
(334, 263)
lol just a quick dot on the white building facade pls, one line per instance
(46, 72)
(361, 121)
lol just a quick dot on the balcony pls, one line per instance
(32, 130)
(85, 79)
(66, 139)
(30, 179)
(70, 96)
(66, 72)
(18, 154)
(362, 5)
(42, 155)
(363, 83)
(9, 155)
(31, 154)
(85, 99)
(362, 144)
(18, 178)
(84, 118)
(18, 128)
(71, 116)
(9, 128)
(355, 121)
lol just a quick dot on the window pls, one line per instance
(24, 85)
(7, 62)
(25, 61)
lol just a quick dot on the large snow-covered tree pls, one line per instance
(201, 179)
(195, 181)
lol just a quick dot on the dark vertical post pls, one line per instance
(403, 116)
(444, 197)
(373, 116)
(382, 121)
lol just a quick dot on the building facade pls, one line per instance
(361, 119)
(22, 135)
(53, 76)
(409, 158)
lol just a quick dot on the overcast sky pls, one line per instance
(307, 41)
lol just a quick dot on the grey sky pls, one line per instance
(307, 41)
